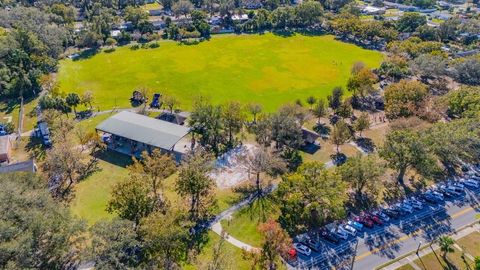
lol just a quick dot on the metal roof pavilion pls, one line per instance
(144, 129)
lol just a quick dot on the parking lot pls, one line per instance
(385, 241)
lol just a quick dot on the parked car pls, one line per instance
(415, 203)
(301, 248)
(329, 236)
(451, 191)
(471, 183)
(391, 212)
(364, 221)
(381, 215)
(348, 229)
(406, 207)
(340, 234)
(375, 219)
(310, 241)
(430, 198)
(439, 196)
(358, 226)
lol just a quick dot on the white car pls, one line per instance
(406, 207)
(459, 185)
(340, 233)
(437, 195)
(471, 183)
(381, 215)
(300, 248)
(416, 204)
(348, 229)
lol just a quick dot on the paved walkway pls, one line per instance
(409, 259)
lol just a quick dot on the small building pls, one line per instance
(5, 149)
(309, 136)
(131, 133)
(371, 10)
(24, 166)
(175, 118)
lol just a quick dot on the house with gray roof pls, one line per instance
(131, 133)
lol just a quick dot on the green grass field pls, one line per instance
(268, 69)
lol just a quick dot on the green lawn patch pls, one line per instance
(268, 69)
(93, 193)
(470, 243)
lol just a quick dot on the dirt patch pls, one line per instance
(230, 168)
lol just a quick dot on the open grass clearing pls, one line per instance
(243, 225)
(268, 69)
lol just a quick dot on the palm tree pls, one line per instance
(310, 101)
(446, 243)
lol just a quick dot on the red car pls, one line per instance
(375, 219)
(365, 221)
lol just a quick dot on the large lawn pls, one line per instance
(268, 69)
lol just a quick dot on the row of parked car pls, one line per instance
(335, 232)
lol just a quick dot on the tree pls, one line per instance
(308, 13)
(340, 134)
(220, 256)
(254, 109)
(87, 98)
(73, 100)
(260, 162)
(362, 123)
(110, 42)
(403, 149)
(65, 165)
(136, 15)
(310, 101)
(165, 238)
(194, 185)
(446, 245)
(363, 174)
(115, 244)
(453, 143)
(345, 109)
(131, 199)
(477, 263)
(154, 169)
(263, 130)
(429, 66)
(335, 99)
(310, 197)
(182, 7)
(320, 109)
(286, 127)
(404, 99)
(467, 71)
(276, 242)
(170, 102)
(233, 117)
(206, 121)
(362, 82)
(410, 21)
(36, 231)
(464, 102)
(167, 4)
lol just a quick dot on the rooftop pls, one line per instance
(25, 166)
(144, 129)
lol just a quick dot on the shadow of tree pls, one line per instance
(322, 129)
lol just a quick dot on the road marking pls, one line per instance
(405, 237)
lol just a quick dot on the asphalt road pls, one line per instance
(381, 244)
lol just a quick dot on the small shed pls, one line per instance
(24, 166)
(5, 149)
(309, 136)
